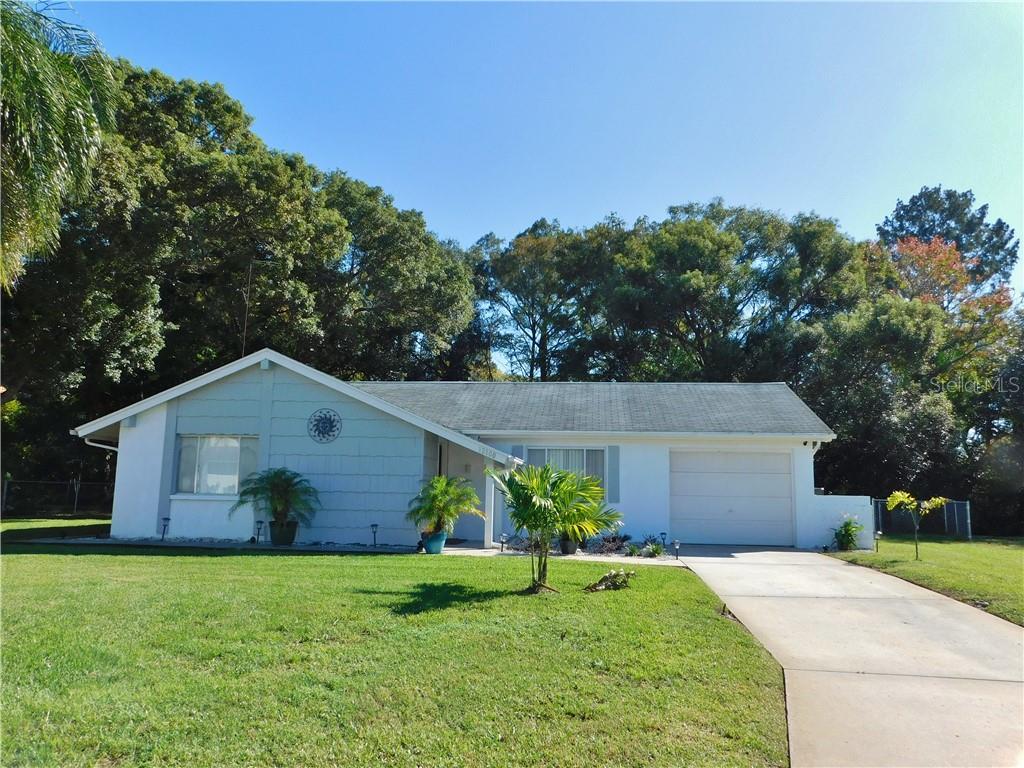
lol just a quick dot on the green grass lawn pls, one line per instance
(128, 657)
(989, 570)
(23, 523)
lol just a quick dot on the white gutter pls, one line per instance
(94, 444)
(634, 435)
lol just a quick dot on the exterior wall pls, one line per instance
(200, 516)
(644, 477)
(141, 470)
(230, 406)
(431, 449)
(809, 527)
(378, 463)
(829, 511)
(366, 475)
(460, 462)
(644, 488)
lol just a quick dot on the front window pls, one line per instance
(215, 463)
(582, 461)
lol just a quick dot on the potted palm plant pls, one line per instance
(581, 520)
(568, 545)
(286, 497)
(437, 507)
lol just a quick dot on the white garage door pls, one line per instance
(731, 498)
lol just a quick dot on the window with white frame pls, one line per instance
(583, 461)
(215, 464)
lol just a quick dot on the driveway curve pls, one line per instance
(879, 672)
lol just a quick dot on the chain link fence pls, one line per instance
(56, 498)
(954, 519)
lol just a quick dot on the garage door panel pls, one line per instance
(729, 484)
(719, 497)
(721, 532)
(728, 461)
(744, 508)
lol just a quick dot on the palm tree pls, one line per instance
(283, 495)
(58, 95)
(441, 502)
(546, 503)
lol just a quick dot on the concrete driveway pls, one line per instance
(879, 672)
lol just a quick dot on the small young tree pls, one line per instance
(546, 503)
(916, 509)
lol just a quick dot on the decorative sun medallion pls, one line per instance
(324, 425)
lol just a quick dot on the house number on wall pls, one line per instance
(324, 425)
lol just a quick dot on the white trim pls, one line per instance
(617, 436)
(310, 373)
(204, 497)
(489, 497)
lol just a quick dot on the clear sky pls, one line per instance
(489, 116)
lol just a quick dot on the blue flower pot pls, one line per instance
(433, 543)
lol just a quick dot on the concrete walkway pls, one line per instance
(879, 672)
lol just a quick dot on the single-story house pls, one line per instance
(701, 463)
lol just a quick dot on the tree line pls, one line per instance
(187, 241)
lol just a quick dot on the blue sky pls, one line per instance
(489, 116)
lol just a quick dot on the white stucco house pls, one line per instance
(703, 463)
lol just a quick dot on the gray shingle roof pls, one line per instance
(482, 407)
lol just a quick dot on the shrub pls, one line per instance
(847, 532)
(654, 549)
(610, 544)
(633, 549)
(519, 544)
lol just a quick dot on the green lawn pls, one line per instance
(989, 570)
(22, 523)
(128, 657)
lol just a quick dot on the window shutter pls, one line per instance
(611, 483)
(518, 451)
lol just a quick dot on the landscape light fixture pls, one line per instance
(503, 539)
(163, 533)
(878, 537)
(373, 527)
(675, 545)
(259, 530)
(663, 536)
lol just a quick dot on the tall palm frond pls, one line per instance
(57, 95)
(547, 502)
(528, 496)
